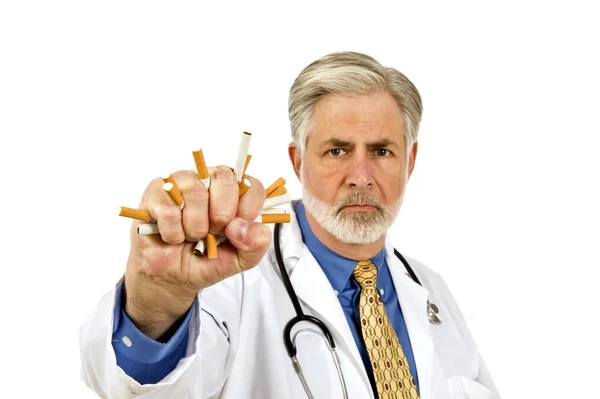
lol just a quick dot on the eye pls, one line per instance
(336, 152)
(382, 152)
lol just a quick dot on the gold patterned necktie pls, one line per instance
(390, 368)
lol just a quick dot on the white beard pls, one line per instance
(352, 227)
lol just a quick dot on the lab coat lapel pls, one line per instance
(413, 302)
(313, 288)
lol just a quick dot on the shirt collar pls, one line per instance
(338, 269)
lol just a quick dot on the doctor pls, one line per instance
(182, 326)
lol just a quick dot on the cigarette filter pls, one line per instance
(247, 162)
(273, 218)
(139, 214)
(201, 167)
(278, 191)
(174, 193)
(241, 157)
(147, 228)
(279, 200)
(169, 179)
(201, 245)
(211, 246)
(244, 186)
(278, 183)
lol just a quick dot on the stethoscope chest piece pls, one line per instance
(433, 313)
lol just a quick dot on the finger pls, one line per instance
(195, 211)
(163, 209)
(223, 198)
(251, 203)
(251, 239)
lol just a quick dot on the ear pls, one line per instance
(295, 157)
(412, 158)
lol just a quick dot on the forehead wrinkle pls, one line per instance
(356, 120)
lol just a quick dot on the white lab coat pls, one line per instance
(236, 350)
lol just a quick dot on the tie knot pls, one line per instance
(365, 273)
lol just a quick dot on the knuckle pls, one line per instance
(223, 175)
(169, 224)
(196, 194)
(183, 174)
(170, 216)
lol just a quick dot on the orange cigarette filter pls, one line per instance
(200, 164)
(278, 183)
(174, 193)
(247, 162)
(243, 187)
(169, 179)
(211, 246)
(276, 218)
(139, 214)
(278, 191)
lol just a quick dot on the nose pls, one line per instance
(360, 174)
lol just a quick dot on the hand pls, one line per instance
(163, 275)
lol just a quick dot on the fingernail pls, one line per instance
(224, 177)
(241, 228)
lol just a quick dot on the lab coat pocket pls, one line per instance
(464, 388)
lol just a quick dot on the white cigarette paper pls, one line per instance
(241, 157)
(279, 200)
(147, 228)
(273, 210)
(201, 245)
(206, 182)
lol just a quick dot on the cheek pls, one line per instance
(324, 183)
(393, 185)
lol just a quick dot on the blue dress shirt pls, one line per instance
(149, 361)
(339, 272)
(142, 358)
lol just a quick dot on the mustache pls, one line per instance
(361, 198)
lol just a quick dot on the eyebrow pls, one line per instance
(335, 142)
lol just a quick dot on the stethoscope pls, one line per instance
(432, 315)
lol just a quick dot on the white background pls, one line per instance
(98, 98)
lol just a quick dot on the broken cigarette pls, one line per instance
(279, 200)
(241, 157)
(201, 168)
(245, 183)
(278, 191)
(244, 186)
(278, 183)
(201, 246)
(211, 246)
(247, 162)
(273, 218)
(139, 214)
(174, 193)
(168, 178)
(272, 210)
(147, 228)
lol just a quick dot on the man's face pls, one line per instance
(355, 169)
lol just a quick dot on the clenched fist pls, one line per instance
(163, 274)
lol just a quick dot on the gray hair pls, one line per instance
(350, 73)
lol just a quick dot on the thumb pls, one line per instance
(251, 239)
